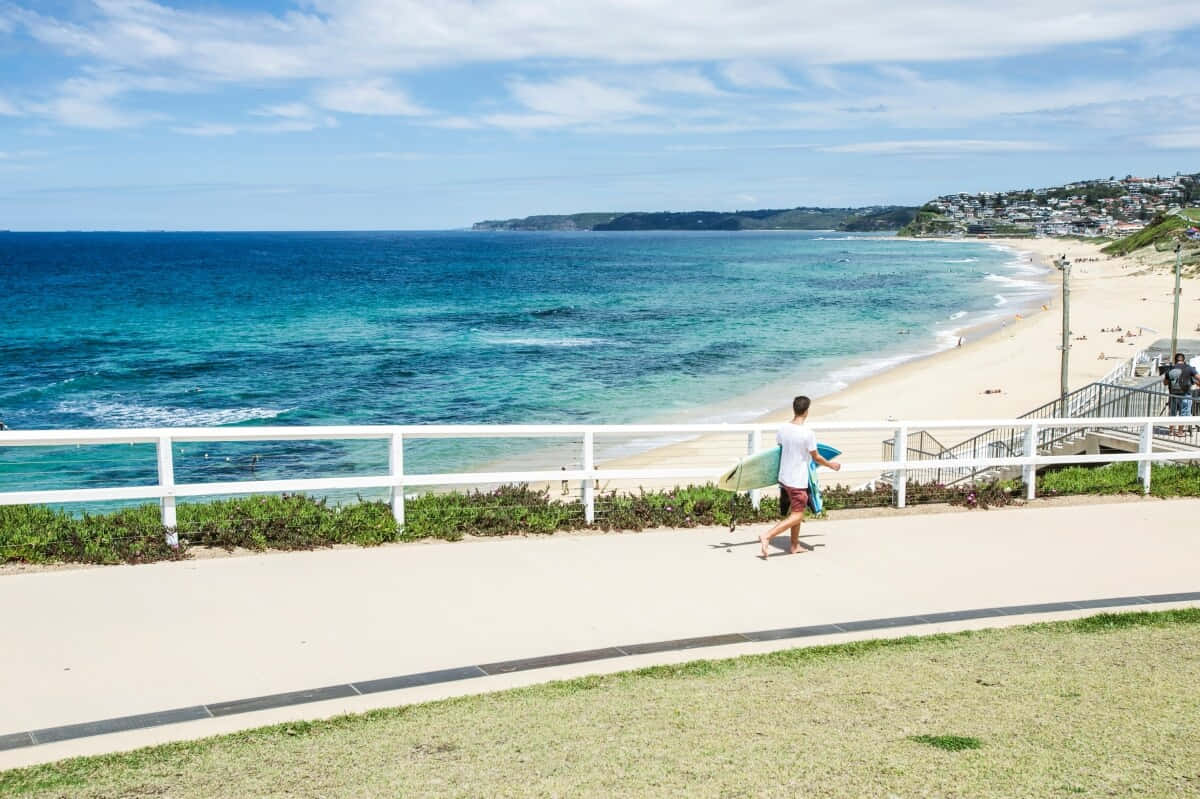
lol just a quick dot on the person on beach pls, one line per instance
(1180, 378)
(799, 444)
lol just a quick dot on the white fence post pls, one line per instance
(589, 465)
(753, 443)
(900, 474)
(166, 481)
(396, 470)
(1145, 448)
(1029, 473)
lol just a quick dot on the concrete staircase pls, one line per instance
(1133, 389)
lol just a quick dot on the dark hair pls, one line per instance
(1179, 356)
(800, 405)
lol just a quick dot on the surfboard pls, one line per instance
(762, 469)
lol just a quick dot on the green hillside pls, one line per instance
(870, 218)
(1163, 231)
(585, 221)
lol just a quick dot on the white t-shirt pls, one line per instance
(798, 442)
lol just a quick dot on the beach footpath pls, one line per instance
(113, 658)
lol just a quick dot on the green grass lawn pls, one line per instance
(1105, 706)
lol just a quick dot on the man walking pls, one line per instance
(799, 445)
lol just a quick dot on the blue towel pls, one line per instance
(814, 489)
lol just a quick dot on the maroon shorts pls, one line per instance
(798, 497)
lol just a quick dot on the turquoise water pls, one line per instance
(119, 330)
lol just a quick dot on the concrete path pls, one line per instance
(94, 644)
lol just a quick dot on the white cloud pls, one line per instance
(351, 51)
(290, 118)
(753, 75)
(577, 98)
(90, 102)
(285, 110)
(1181, 139)
(21, 155)
(939, 147)
(569, 101)
(455, 123)
(207, 129)
(823, 76)
(374, 97)
(285, 118)
(8, 109)
(358, 38)
(679, 81)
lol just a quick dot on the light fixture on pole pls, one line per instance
(1178, 291)
(1064, 266)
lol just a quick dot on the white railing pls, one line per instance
(167, 490)
(1128, 368)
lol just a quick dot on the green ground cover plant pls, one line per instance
(38, 534)
(949, 743)
(1167, 480)
(1102, 706)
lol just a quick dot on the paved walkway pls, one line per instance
(200, 636)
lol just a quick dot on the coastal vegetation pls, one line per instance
(871, 218)
(586, 221)
(929, 221)
(39, 534)
(1163, 232)
(1099, 706)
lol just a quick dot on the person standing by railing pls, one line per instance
(1195, 391)
(1180, 378)
(799, 444)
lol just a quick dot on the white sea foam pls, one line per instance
(962, 260)
(1016, 285)
(946, 338)
(121, 414)
(1000, 300)
(535, 341)
(957, 315)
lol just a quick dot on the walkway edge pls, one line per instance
(549, 663)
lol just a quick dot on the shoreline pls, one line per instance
(972, 334)
(1004, 368)
(761, 404)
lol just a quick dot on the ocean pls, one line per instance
(183, 329)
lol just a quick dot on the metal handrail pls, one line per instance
(1091, 401)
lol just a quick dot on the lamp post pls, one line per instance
(1064, 266)
(1175, 318)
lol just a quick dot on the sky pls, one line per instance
(419, 114)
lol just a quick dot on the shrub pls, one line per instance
(39, 534)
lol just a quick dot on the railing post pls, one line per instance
(166, 481)
(753, 443)
(1030, 471)
(396, 471)
(1146, 447)
(900, 474)
(589, 466)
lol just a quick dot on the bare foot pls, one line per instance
(763, 541)
(796, 550)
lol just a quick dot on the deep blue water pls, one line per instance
(165, 329)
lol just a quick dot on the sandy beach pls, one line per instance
(1001, 372)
